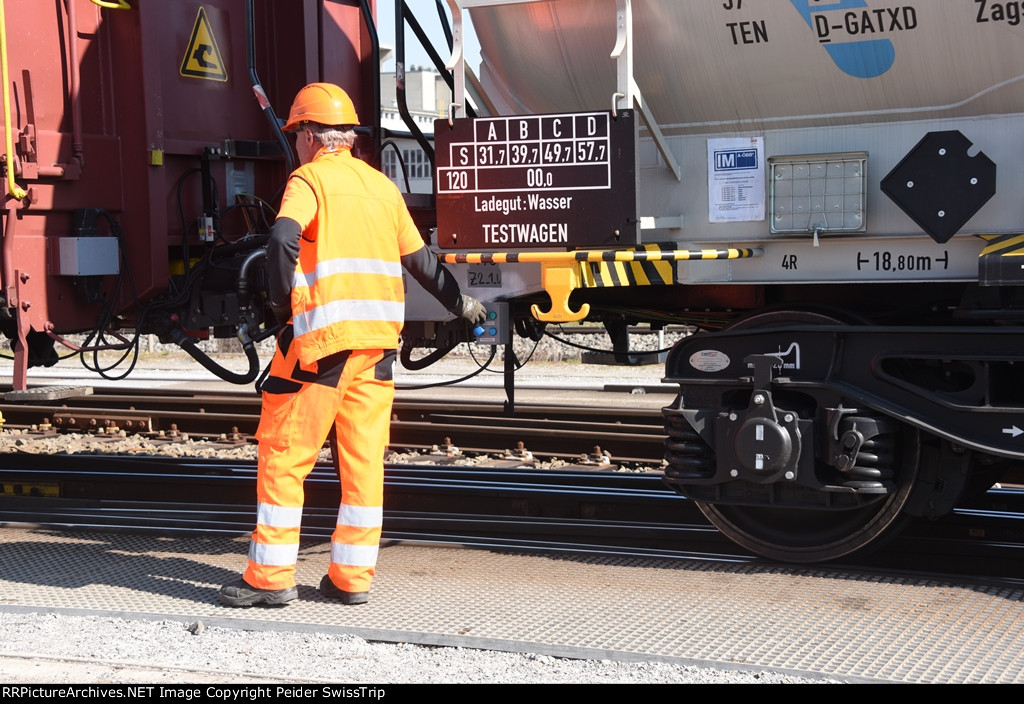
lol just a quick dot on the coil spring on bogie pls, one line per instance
(876, 458)
(688, 456)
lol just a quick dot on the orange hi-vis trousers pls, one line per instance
(351, 392)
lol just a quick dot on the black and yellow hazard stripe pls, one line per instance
(1001, 261)
(649, 265)
(564, 272)
(1003, 245)
(658, 272)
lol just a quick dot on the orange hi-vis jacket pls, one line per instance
(348, 292)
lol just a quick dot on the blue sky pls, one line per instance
(426, 12)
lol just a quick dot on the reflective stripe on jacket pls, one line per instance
(347, 291)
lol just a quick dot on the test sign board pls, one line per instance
(560, 181)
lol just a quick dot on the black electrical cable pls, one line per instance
(452, 382)
(518, 365)
(178, 299)
(260, 209)
(107, 314)
(401, 162)
(181, 214)
(594, 349)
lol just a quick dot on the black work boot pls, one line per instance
(240, 593)
(330, 591)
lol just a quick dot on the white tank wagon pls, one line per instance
(828, 190)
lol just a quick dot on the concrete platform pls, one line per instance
(808, 619)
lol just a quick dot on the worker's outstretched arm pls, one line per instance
(423, 266)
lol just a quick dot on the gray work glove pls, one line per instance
(471, 310)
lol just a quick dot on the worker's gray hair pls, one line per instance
(333, 136)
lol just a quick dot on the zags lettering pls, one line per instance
(1008, 12)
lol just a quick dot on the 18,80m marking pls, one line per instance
(889, 261)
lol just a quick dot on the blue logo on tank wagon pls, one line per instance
(735, 159)
(856, 35)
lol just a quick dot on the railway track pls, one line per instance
(548, 478)
(517, 508)
(448, 503)
(547, 432)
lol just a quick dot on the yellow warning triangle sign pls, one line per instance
(202, 57)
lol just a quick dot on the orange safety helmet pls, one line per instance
(325, 103)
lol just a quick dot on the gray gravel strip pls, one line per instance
(60, 648)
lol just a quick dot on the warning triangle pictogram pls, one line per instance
(202, 57)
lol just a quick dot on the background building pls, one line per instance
(427, 98)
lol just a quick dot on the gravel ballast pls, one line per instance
(61, 648)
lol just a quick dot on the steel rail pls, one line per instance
(513, 509)
(469, 505)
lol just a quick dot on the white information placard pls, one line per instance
(736, 169)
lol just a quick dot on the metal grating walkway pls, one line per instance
(808, 619)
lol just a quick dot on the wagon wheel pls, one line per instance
(816, 535)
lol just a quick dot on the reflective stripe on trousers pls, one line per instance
(351, 392)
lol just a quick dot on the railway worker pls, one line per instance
(335, 261)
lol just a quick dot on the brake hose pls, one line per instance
(186, 343)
